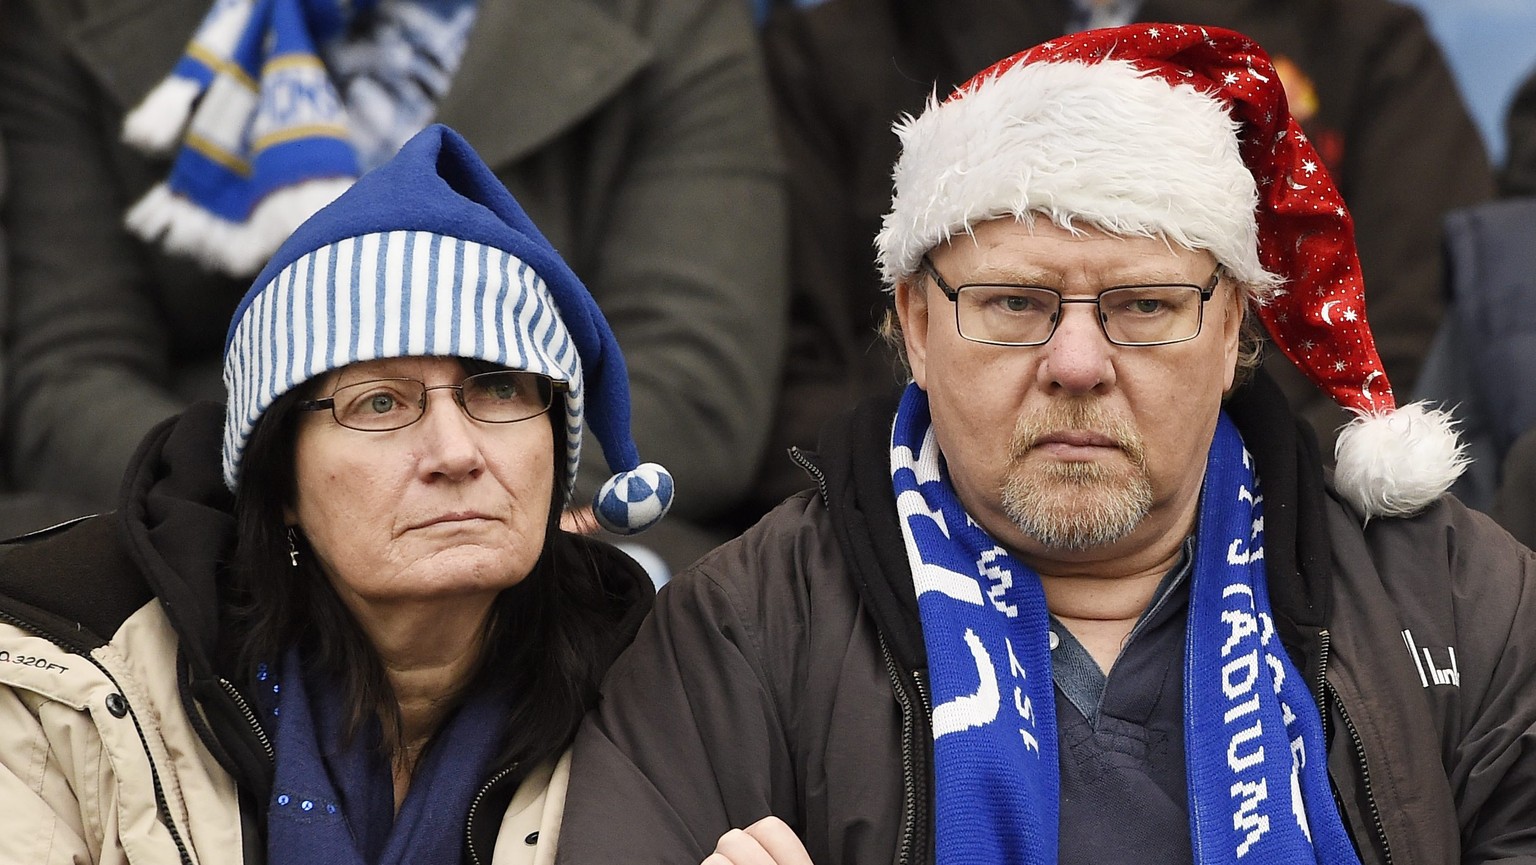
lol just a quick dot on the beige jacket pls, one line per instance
(89, 742)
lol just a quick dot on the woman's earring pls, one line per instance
(293, 548)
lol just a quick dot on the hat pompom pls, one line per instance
(633, 501)
(1396, 463)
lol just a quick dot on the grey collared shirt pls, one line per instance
(1121, 738)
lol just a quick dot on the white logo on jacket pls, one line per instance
(1429, 672)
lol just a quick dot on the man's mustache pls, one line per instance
(1076, 417)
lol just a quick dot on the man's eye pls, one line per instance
(382, 403)
(1018, 303)
(1146, 305)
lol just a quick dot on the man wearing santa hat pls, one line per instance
(1086, 593)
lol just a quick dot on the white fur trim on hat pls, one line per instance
(1397, 463)
(1100, 144)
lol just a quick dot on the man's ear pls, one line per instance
(912, 311)
(1236, 304)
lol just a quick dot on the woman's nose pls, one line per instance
(453, 448)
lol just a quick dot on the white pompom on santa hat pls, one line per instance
(1180, 132)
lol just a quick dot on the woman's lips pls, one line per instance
(449, 518)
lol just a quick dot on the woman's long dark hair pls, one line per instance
(550, 637)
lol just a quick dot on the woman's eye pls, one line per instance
(381, 403)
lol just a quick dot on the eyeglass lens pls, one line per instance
(503, 396)
(1133, 315)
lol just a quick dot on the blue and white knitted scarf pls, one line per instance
(277, 107)
(1256, 770)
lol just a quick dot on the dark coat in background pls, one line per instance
(1518, 176)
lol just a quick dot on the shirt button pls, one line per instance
(1055, 641)
(117, 705)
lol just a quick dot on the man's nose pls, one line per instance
(1078, 358)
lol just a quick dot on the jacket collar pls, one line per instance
(559, 59)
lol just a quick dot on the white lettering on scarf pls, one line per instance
(1248, 635)
(971, 710)
(1021, 701)
(1001, 579)
(296, 95)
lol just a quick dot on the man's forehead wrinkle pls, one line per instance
(1053, 277)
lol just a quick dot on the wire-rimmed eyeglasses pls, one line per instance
(1027, 315)
(384, 404)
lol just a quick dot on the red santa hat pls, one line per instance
(1180, 132)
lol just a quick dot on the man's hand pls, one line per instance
(769, 841)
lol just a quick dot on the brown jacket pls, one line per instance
(785, 674)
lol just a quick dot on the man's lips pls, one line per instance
(1075, 444)
(1078, 438)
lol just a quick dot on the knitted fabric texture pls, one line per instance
(1258, 785)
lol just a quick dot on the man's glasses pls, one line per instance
(1027, 315)
(380, 405)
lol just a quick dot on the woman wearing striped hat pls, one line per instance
(360, 635)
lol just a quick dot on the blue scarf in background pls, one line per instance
(1257, 776)
(335, 804)
(277, 107)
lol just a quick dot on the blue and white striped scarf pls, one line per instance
(277, 107)
(1256, 770)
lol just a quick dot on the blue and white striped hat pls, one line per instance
(429, 255)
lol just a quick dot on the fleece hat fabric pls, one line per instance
(429, 255)
(1181, 132)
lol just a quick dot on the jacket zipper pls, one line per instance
(474, 805)
(804, 462)
(250, 718)
(1365, 774)
(1319, 692)
(920, 825)
(904, 851)
(163, 810)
